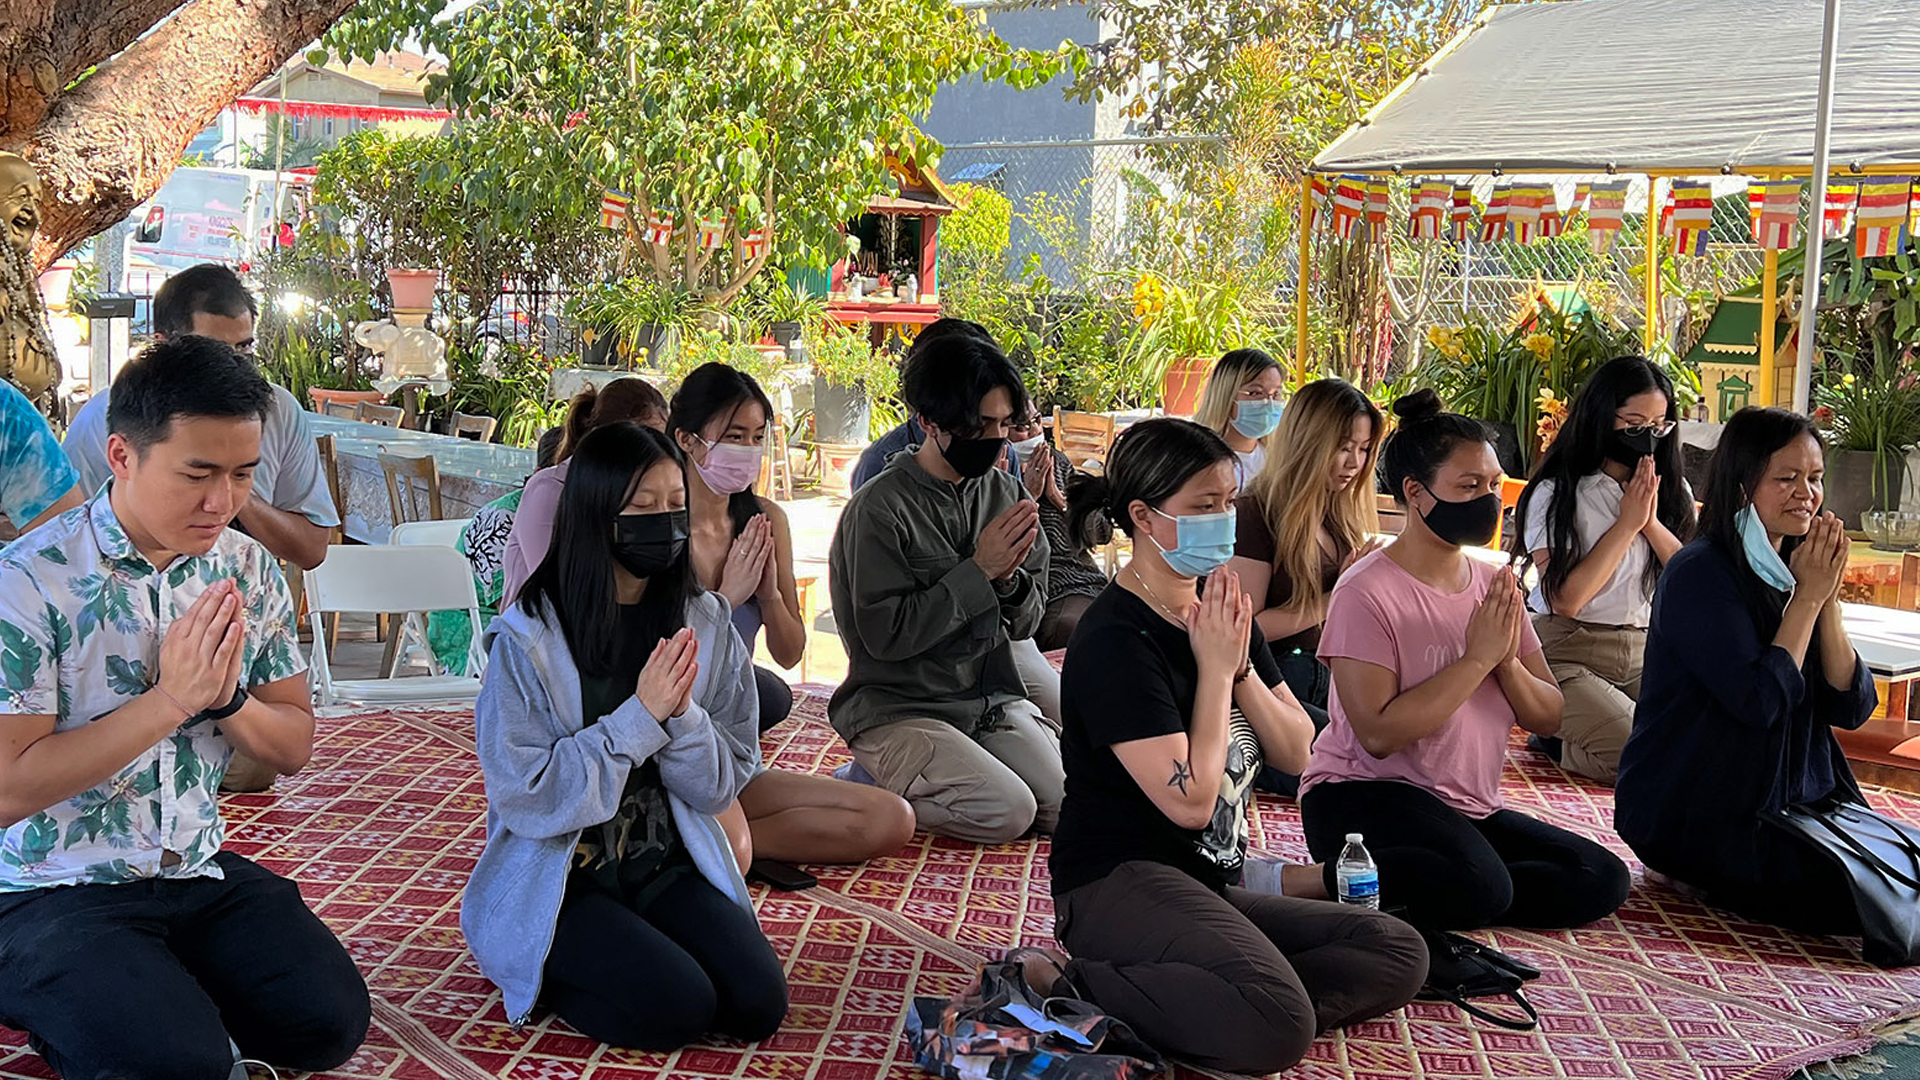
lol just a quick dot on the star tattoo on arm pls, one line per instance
(1182, 772)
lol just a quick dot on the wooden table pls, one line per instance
(472, 474)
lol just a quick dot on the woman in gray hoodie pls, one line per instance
(618, 717)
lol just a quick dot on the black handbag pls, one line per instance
(1881, 861)
(1460, 969)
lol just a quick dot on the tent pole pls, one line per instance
(1651, 333)
(1816, 233)
(1302, 290)
(1769, 316)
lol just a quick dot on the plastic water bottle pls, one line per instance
(1358, 879)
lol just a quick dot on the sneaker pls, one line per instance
(1543, 745)
(852, 773)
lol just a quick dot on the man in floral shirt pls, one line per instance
(141, 643)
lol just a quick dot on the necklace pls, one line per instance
(1155, 597)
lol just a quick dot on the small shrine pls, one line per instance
(1727, 355)
(891, 277)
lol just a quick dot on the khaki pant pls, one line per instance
(987, 788)
(1041, 679)
(244, 775)
(1598, 669)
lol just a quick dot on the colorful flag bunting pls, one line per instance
(1776, 226)
(1379, 204)
(660, 229)
(1349, 203)
(1883, 213)
(1692, 216)
(1462, 217)
(1493, 223)
(613, 210)
(1606, 213)
(1431, 199)
(1581, 193)
(713, 234)
(1552, 222)
(1524, 204)
(753, 245)
(1837, 216)
(1319, 203)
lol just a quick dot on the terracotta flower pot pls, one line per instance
(413, 289)
(1180, 388)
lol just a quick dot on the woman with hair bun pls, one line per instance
(1172, 705)
(1433, 663)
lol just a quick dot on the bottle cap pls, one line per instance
(1354, 838)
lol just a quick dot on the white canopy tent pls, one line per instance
(1662, 88)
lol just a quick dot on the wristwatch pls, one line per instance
(232, 706)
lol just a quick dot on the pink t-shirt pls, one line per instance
(532, 531)
(1383, 615)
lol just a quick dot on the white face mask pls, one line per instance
(1027, 446)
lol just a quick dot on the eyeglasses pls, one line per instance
(1250, 393)
(1659, 430)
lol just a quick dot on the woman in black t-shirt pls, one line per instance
(1172, 704)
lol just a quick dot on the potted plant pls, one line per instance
(1871, 411)
(412, 289)
(789, 312)
(844, 364)
(1182, 330)
(630, 320)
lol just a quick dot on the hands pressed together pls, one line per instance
(1820, 562)
(1007, 540)
(1494, 631)
(1218, 624)
(751, 569)
(665, 688)
(201, 653)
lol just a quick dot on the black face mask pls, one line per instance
(973, 458)
(1629, 449)
(1463, 523)
(646, 544)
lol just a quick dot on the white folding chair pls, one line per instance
(417, 534)
(384, 579)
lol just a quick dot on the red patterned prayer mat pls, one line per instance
(383, 828)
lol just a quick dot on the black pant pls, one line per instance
(1309, 679)
(1060, 619)
(1442, 870)
(776, 697)
(1235, 981)
(150, 979)
(689, 963)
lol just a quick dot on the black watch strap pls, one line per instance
(232, 706)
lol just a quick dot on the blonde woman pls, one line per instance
(1305, 518)
(1242, 402)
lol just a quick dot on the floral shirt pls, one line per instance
(82, 615)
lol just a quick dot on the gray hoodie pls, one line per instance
(549, 775)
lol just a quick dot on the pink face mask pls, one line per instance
(730, 468)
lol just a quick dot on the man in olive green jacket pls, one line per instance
(937, 565)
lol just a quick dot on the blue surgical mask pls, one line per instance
(1256, 419)
(1203, 544)
(1760, 551)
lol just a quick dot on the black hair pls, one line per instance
(1580, 450)
(1426, 437)
(575, 581)
(1739, 463)
(623, 399)
(208, 288)
(710, 390)
(547, 450)
(184, 377)
(945, 379)
(1151, 462)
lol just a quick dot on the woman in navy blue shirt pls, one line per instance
(1748, 670)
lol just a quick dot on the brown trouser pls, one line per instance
(987, 788)
(1240, 982)
(1598, 669)
(244, 774)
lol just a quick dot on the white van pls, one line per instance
(215, 215)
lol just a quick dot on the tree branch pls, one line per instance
(111, 140)
(84, 34)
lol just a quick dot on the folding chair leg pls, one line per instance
(390, 656)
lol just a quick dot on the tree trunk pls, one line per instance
(109, 140)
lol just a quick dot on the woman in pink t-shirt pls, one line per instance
(1433, 663)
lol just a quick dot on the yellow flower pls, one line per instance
(1540, 345)
(1847, 379)
(1439, 337)
(1546, 395)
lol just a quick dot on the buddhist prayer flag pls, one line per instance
(1837, 216)
(1552, 223)
(1883, 210)
(753, 245)
(1692, 216)
(1666, 212)
(613, 210)
(1462, 217)
(1606, 213)
(1379, 204)
(1493, 223)
(1776, 226)
(660, 230)
(1581, 193)
(1349, 203)
(713, 234)
(1524, 203)
(1319, 202)
(1431, 200)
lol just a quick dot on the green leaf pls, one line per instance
(126, 677)
(20, 660)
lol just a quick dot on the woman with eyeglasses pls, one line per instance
(1605, 510)
(1242, 402)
